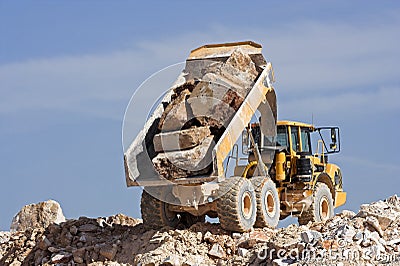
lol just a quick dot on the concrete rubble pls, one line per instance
(180, 140)
(200, 109)
(186, 162)
(370, 237)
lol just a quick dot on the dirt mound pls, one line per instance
(370, 237)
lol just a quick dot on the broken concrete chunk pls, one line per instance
(310, 236)
(241, 88)
(381, 210)
(38, 215)
(212, 104)
(53, 249)
(345, 232)
(180, 140)
(347, 214)
(217, 251)
(242, 62)
(244, 80)
(259, 237)
(218, 95)
(73, 230)
(175, 114)
(78, 255)
(109, 251)
(61, 258)
(208, 237)
(374, 223)
(394, 202)
(179, 164)
(233, 71)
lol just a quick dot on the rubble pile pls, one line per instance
(198, 113)
(370, 237)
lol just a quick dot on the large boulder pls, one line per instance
(180, 164)
(175, 115)
(180, 140)
(39, 215)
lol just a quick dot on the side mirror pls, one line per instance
(334, 139)
(334, 132)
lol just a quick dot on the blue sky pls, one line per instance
(69, 68)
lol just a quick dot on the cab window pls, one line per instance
(305, 140)
(281, 136)
(295, 139)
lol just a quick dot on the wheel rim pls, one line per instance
(247, 207)
(269, 204)
(324, 209)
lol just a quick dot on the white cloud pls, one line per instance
(309, 57)
(317, 57)
(68, 83)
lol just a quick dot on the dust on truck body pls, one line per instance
(182, 154)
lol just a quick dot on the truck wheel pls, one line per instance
(237, 205)
(155, 213)
(321, 208)
(268, 204)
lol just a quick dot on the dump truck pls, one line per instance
(213, 147)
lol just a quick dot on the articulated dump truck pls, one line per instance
(213, 146)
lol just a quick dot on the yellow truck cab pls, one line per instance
(308, 186)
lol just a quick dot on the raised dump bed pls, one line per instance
(178, 156)
(202, 115)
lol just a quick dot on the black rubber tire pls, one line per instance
(321, 208)
(155, 213)
(237, 205)
(268, 203)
